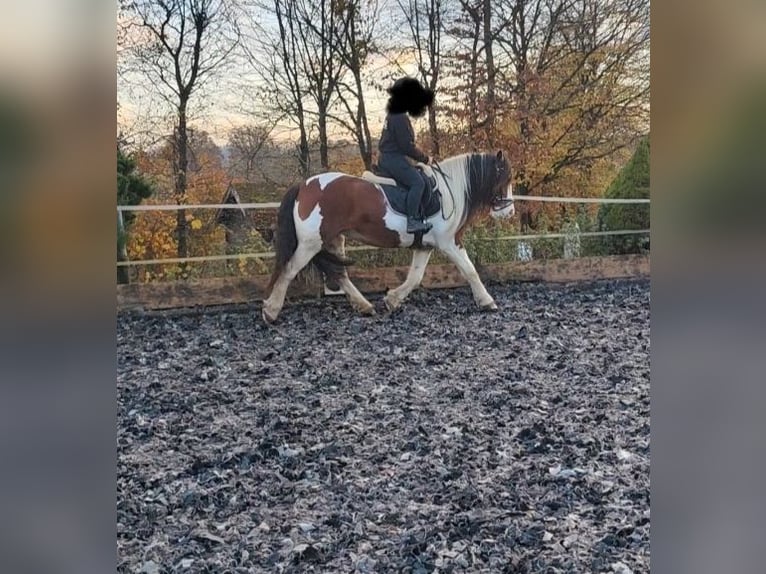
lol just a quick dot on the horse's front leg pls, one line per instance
(395, 297)
(459, 257)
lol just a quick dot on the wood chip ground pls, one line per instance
(436, 439)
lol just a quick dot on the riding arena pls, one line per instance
(437, 437)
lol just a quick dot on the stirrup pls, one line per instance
(416, 225)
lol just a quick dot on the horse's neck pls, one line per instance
(457, 181)
(454, 169)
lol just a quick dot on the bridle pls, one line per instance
(500, 202)
(437, 168)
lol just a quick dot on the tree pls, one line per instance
(631, 183)
(152, 234)
(245, 144)
(353, 43)
(424, 22)
(132, 189)
(466, 71)
(489, 58)
(317, 24)
(574, 77)
(273, 53)
(179, 45)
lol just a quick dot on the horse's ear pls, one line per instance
(499, 154)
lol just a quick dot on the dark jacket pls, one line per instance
(398, 137)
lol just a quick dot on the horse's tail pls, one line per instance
(286, 242)
(285, 237)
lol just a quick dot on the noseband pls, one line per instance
(501, 203)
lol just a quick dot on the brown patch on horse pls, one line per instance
(351, 204)
(308, 197)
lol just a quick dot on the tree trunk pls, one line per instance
(182, 164)
(363, 128)
(303, 150)
(323, 146)
(434, 133)
(491, 103)
(473, 88)
(123, 275)
(367, 155)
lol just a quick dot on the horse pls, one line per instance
(317, 215)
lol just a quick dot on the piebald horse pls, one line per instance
(317, 215)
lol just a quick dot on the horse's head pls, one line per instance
(502, 193)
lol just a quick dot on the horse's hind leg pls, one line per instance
(395, 297)
(302, 256)
(355, 297)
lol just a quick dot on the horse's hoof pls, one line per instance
(367, 311)
(490, 307)
(268, 319)
(390, 306)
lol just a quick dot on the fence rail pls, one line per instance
(270, 254)
(274, 205)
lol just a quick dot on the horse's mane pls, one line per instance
(469, 172)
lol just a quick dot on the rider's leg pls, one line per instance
(408, 176)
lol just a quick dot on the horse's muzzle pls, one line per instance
(502, 204)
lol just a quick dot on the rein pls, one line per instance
(445, 177)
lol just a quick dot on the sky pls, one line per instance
(143, 116)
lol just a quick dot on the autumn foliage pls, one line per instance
(152, 234)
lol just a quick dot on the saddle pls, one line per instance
(430, 203)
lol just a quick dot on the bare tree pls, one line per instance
(275, 53)
(527, 43)
(353, 43)
(177, 45)
(489, 58)
(246, 143)
(589, 63)
(424, 22)
(318, 22)
(577, 75)
(465, 67)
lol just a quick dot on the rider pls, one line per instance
(397, 144)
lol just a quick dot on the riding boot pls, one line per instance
(415, 223)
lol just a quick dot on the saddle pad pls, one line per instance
(397, 197)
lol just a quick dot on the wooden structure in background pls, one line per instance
(223, 291)
(238, 223)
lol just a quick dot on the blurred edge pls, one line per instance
(57, 165)
(57, 147)
(708, 183)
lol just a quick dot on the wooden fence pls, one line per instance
(235, 290)
(230, 290)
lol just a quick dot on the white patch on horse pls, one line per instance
(308, 229)
(324, 179)
(397, 222)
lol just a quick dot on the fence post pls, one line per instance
(524, 251)
(571, 240)
(123, 273)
